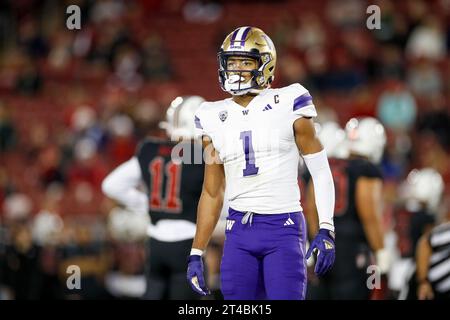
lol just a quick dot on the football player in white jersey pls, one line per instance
(254, 141)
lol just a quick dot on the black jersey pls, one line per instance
(174, 188)
(409, 227)
(345, 175)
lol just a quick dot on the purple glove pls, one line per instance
(324, 244)
(195, 275)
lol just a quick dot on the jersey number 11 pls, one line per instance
(170, 176)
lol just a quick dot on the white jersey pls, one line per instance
(257, 147)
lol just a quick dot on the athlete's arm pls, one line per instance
(211, 199)
(369, 205)
(369, 200)
(423, 254)
(311, 211)
(121, 185)
(316, 161)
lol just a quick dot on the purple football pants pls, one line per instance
(264, 258)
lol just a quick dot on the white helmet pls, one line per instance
(332, 137)
(366, 137)
(46, 228)
(179, 122)
(425, 186)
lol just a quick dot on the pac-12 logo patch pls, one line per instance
(223, 115)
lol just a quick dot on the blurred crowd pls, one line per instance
(75, 103)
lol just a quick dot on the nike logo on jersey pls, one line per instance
(230, 224)
(289, 222)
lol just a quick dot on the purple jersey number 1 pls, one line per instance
(250, 168)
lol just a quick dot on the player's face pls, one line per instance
(242, 64)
